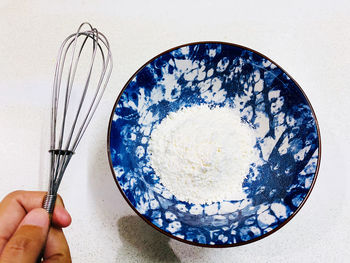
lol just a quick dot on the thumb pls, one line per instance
(27, 242)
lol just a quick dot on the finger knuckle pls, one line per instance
(60, 199)
(13, 195)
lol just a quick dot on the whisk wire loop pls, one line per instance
(69, 120)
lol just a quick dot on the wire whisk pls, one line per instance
(83, 68)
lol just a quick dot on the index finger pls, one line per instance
(17, 204)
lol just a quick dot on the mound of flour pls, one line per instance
(202, 155)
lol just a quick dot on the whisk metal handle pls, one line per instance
(49, 203)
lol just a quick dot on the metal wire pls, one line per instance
(65, 134)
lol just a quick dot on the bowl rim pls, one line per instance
(184, 240)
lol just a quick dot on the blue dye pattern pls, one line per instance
(219, 75)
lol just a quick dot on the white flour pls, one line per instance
(202, 155)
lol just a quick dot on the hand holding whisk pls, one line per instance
(83, 68)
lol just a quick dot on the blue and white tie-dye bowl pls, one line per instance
(218, 74)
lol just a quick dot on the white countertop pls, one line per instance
(309, 39)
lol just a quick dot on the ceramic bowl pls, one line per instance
(218, 74)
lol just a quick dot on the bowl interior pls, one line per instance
(219, 75)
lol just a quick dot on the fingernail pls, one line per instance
(36, 217)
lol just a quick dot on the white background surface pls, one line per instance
(309, 39)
